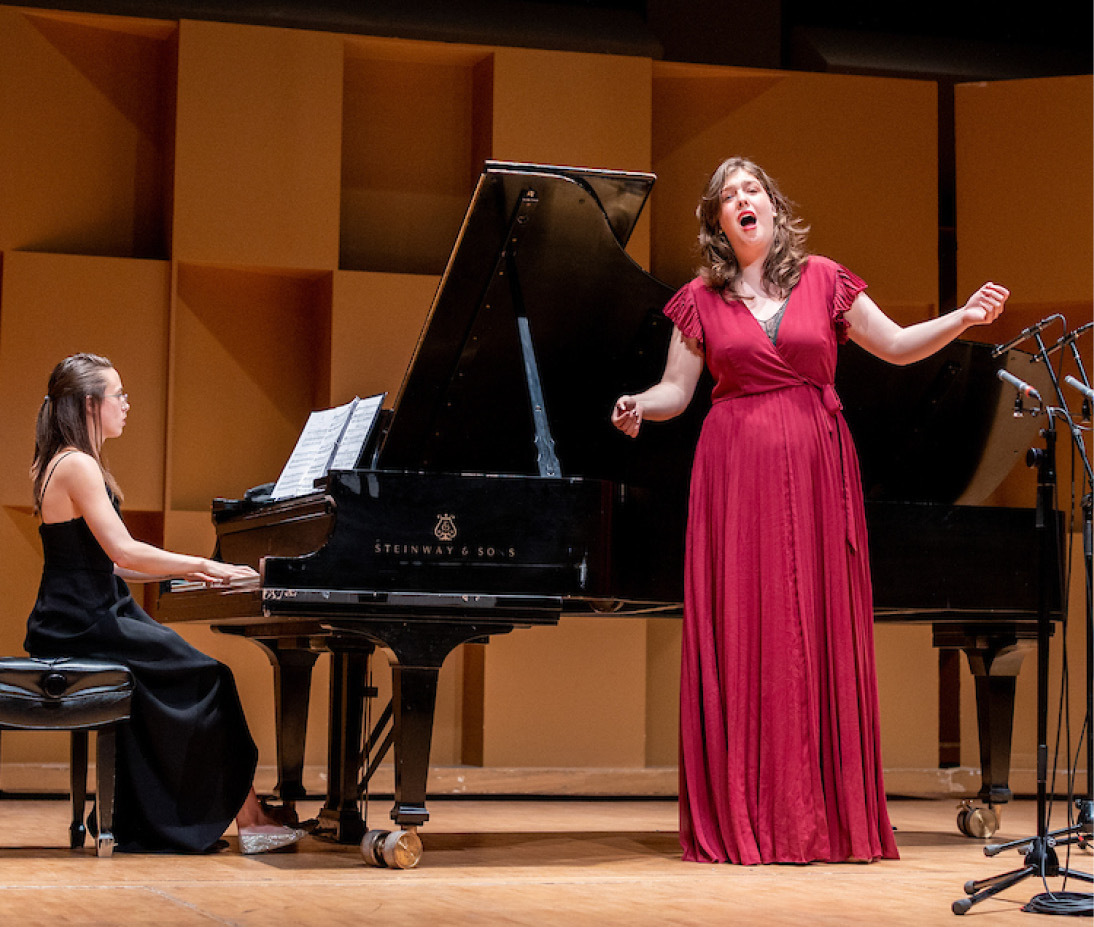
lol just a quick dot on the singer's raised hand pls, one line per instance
(986, 304)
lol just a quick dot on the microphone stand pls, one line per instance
(1083, 827)
(1039, 851)
(1081, 831)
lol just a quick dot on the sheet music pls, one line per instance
(357, 429)
(332, 438)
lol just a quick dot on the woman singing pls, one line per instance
(780, 750)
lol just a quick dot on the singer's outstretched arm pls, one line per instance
(873, 330)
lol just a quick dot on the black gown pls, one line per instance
(186, 760)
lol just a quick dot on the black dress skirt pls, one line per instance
(186, 760)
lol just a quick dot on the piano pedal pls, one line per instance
(398, 849)
(975, 822)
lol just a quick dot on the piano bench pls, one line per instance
(75, 695)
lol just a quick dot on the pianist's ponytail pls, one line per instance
(719, 268)
(63, 422)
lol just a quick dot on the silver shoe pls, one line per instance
(267, 838)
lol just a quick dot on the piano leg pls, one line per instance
(995, 720)
(995, 660)
(414, 675)
(414, 697)
(348, 689)
(995, 667)
(292, 689)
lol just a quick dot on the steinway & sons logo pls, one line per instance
(446, 528)
(446, 533)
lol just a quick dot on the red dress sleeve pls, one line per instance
(683, 312)
(848, 286)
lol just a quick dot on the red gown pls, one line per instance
(780, 755)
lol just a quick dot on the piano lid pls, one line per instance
(940, 430)
(548, 243)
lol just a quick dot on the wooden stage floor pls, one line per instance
(531, 863)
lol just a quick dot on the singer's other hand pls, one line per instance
(627, 415)
(986, 304)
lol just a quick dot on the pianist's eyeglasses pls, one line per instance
(121, 397)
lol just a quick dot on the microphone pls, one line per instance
(1021, 385)
(1087, 392)
(1026, 333)
(1070, 337)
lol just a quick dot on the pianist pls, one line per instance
(780, 751)
(186, 760)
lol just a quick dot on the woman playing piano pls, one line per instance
(780, 750)
(186, 760)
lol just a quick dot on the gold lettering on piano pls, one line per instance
(444, 551)
(446, 528)
(445, 531)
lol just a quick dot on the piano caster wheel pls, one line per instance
(977, 822)
(104, 845)
(399, 849)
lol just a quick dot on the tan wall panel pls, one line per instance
(410, 156)
(375, 323)
(908, 695)
(56, 305)
(574, 109)
(86, 109)
(250, 362)
(1025, 188)
(573, 695)
(858, 155)
(663, 690)
(258, 145)
(569, 108)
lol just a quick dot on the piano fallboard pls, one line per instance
(373, 532)
(443, 532)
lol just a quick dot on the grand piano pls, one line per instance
(496, 495)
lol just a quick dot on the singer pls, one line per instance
(780, 749)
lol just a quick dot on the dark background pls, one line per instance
(927, 38)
